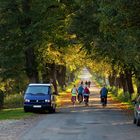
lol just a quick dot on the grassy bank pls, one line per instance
(13, 101)
(124, 104)
(15, 113)
(13, 104)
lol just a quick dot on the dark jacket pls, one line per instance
(104, 92)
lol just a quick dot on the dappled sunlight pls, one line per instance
(83, 110)
(94, 90)
(94, 99)
(121, 123)
(94, 104)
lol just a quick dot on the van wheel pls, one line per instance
(138, 122)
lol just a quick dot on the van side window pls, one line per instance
(49, 90)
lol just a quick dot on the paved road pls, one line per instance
(84, 123)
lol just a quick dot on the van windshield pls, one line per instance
(38, 90)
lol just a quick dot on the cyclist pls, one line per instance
(86, 95)
(81, 82)
(89, 83)
(103, 95)
(80, 93)
(74, 94)
(86, 83)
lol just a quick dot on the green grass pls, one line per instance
(13, 105)
(17, 113)
(13, 101)
(129, 104)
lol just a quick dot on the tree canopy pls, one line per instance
(43, 39)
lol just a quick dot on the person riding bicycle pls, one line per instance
(80, 93)
(86, 95)
(103, 95)
(86, 83)
(89, 83)
(81, 82)
(74, 94)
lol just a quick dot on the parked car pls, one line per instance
(137, 111)
(40, 97)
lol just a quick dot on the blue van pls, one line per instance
(40, 97)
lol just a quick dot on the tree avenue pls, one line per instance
(114, 38)
(50, 40)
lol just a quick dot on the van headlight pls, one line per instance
(27, 100)
(47, 101)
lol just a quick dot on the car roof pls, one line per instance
(40, 84)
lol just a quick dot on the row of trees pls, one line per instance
(51, 39)
(110, 31)
(35, 45)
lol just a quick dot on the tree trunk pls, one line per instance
(137, 74)
(111, 80)
(123, 82)
(120, 82)
(61, 74)
(129, 82)
(112, 77)
(71, 77)
(138, 85)
(53, 76)
(117, 80)
(1, 99)
(31, 65)
(49, 75)
(46, 73)
(138, 89)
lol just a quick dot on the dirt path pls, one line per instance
(12, 129)
(85, 123)
(94, 101)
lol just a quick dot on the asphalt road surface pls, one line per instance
(84, 123)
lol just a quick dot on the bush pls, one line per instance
(134, 96)
(113, 90)
(13, 101)
(124, 97)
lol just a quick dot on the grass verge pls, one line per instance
(126, 105)
(12, 102)
(15, 113)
